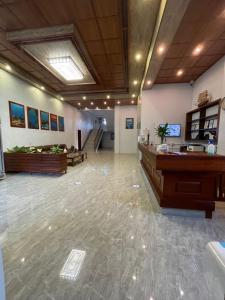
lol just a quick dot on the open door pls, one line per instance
(79, 140)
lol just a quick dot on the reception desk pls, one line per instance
(185, 180)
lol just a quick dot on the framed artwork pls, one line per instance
(44, 116)
(32, 118)
(54, 122)
(129, 123)
(17, 115)
(61, 123)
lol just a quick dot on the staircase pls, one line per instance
(90, 144)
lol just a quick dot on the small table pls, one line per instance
(72, 158)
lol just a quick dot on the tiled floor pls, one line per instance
(132, 252)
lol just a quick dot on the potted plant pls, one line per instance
(162, 131)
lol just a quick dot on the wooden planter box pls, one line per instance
(35, 162)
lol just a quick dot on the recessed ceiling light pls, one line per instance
(118, 102)
(84, 97)
(161, 49)
(8, 67)
(42, 88)
(197, 50)
(78, 103)
(180, 72)
(108, 96)
(66, 67)
(62, 98)
(135, 82)
(149, 82)
(132, 102)
(105, 102)
(138, 56)
(133, 95)
(92, 103)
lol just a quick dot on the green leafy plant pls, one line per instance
(162, 131)
(18, 149)
(56, 149)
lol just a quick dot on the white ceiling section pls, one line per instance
(45, 51)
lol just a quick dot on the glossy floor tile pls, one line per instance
(101, 207)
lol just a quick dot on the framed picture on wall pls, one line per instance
(17, 115)
(61, 123)
(32, 118)
(44, 116)
(129, 123)
(54, 122)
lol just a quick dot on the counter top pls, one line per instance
(185, 161)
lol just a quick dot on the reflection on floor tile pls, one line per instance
(132, 252)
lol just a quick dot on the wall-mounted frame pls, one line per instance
(61, 123)
(44, 119)
(54, 122)
(17, 115)
(129, 123)
(32, 118)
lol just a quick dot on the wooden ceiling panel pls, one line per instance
(208, 60)
(115, 59)
(89, 30)
(113, 46)
(8, 21)
(105, 8)
(95, 47)
(202, 25)
(33, 19)
(82, 10)
(176, 50)
(109, 27)
(100, 60)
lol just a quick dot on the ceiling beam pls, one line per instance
(40, 34)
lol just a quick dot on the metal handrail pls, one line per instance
(97, 137)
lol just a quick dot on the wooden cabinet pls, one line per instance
(202, 124)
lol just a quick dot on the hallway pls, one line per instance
(132, 252)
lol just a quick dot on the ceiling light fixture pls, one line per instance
(160, 50)
(118, 102)
(42, 88)
(84, 97)
(132, 102)
(8, 68)
(180, 72)
(197, 50)
(138, 56)
(135, 82)
(62, 98)
(78, 103)
(108, 96)
(149, 82)
(133, 95)
(105, 102)
(66, 67)
(92, 103)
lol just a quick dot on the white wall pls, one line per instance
(14, 89)
(83, 121)
(213, 80)
(165, 103)
(125, 139)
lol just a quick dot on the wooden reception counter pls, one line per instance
(185, 180)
